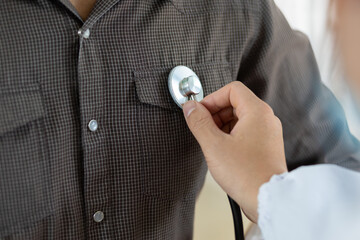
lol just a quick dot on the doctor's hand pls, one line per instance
(241, 139)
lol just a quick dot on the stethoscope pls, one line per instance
(185, 85)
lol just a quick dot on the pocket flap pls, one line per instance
(152, 85)
(17, 108)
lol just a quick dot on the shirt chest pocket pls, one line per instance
(173, 166)
(24, 161)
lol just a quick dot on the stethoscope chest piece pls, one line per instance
(184, 85)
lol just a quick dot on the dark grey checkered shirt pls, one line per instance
(141, 168)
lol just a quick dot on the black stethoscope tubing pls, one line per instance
(238, 223)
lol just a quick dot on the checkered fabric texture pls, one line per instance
(142, 167)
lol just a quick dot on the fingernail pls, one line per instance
(188, 107)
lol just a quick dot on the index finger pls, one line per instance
(234, 94)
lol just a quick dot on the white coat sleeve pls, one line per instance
(319, 202)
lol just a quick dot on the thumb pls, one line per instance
(201, 123)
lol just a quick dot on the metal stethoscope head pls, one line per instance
(184, 85)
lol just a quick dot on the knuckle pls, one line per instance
(272, 123)
(278, 122)
(266, 109)
(235, 84)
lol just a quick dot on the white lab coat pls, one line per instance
(311, 203)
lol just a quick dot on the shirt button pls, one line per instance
(93, 125)
(98, 216)
(84, 34)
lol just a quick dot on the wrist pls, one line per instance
(248, 197)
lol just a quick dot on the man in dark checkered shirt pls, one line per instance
(92, 145)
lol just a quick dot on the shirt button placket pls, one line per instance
(91, 95)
